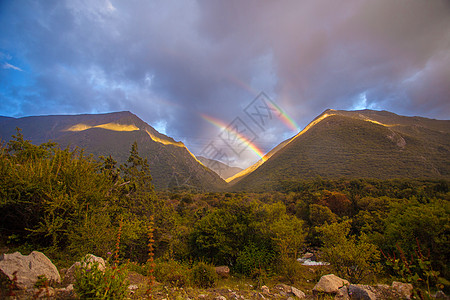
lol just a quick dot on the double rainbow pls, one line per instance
(218, 123)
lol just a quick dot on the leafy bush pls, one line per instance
(204, 275)
(172, 273)
(253, 258)
(351, 258)
(93, 283)
(289, 269)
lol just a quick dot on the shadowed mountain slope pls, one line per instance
(171, 163)
(223, 170)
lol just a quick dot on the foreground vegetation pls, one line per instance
(67, 204)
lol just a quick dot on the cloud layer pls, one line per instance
(170, 62)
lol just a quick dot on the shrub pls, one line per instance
(172, 273)
(204, 275)
(289, 269)
(351, 258)
(92, 283)
(253, 258)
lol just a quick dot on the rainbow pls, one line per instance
(284, 117)
(218, 123)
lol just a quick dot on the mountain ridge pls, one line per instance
(414, 138)
(171, 163)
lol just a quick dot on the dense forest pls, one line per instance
(67, 204)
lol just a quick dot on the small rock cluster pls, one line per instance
(343, 290)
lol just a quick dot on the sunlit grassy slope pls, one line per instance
(361, 144)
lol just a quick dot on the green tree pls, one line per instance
(350, 257)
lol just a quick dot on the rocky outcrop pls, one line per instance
(329, 284)
(25, 269)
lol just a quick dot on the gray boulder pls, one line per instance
(27, 268)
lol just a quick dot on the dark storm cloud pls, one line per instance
(170, 61)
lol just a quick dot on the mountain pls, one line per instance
(223, 170)
(355, 144)
(171, 163)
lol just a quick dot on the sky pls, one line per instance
(230, 79)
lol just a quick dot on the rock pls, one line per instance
(223, 271)
(283, 288)
(202, 296)
(403, 289)
(220, 298)
(329, 284)
(133, 287)
(297, 293)
(48, 292)
(360, 292)
(342, 294)
(28, 267)
(265, 289)
(440, 295)
(88, 261)
(65, 293)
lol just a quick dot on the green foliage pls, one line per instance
(351, 258)
(320, 215)
(289, 269)
(204, 275)
(253, 258)
(93, 283)
(172, 273)
(287, 233)
(428, 223)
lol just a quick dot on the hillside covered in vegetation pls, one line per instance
(67, 204)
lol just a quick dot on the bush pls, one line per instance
(289, 269)
(204, 275)
(351, 258)
(172, 273)
(253, 258)
(92, 283)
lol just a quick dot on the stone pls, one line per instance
(342, 294)
(46, 293)
(265, 289)
(88, 261)
(307, 255)
(440, 295)
(403, 289)
(27, 268)
(329, 284)
(283, 288)
(65, 293)
(223, 271)
(360, 292)
(298, 293)
(220, 298)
